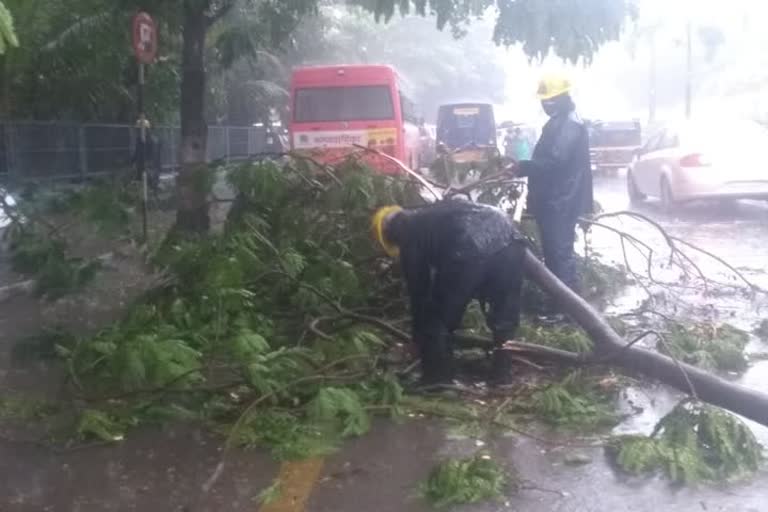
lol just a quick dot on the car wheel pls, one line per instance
(635, 196)
(668, 202)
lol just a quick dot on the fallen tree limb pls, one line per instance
(12, 290)
(529, 349)
(741, 400)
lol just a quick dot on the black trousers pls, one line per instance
(496, 280)
(558, 234)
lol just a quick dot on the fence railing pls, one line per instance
(32, 151)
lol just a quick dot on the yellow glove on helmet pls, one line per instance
(377, 227)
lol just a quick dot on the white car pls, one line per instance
(695, 160)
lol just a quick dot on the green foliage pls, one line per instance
(108, 207)
(692, 443)
(46, 259)
(231, 327)
(286, 434)
(7, 32)
(570, 29)
(24, 408)
(576, 401)
(466, 480)
(565, 337)
(74, 64)
(599, 281)
(340, 410)
(637, 454)
(100, 425)
(713, 347)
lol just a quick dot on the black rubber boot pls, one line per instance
(436, 360)
(501, 368)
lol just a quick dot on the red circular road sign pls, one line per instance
(144, 38)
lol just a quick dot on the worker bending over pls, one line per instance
(451, 252)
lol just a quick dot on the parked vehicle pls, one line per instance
(612, 145)
(468, 130)
(335, 108)
(701, 160)
(427, 145)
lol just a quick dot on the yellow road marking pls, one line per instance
(297, 479)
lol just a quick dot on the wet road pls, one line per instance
(165, 471)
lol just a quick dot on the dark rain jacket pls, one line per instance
(448, 245)
(560, 172)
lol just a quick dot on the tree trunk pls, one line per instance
(608, 344)
(192, 182)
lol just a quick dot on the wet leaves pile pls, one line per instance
(262, 331)
(466, 480)
(695, 442)
(711, 347)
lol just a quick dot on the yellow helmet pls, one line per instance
(553, 85)
(377, 226)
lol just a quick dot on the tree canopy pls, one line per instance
(76, 64)
(571, 29)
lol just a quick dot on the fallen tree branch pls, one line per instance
(684, 260)
(519, 347)
(21, 288)
(410, 172)
(741, 400)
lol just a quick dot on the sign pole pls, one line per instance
(142, 154)
(144, 33)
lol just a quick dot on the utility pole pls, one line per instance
(652, 78)
(688, 71)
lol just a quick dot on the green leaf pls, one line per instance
(339, 408)
(464, 481)
(101, 425)
(293, 262)
(247, 345)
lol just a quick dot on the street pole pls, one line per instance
(652, 80)
(141, 156)
(144, 35)
(689, 71)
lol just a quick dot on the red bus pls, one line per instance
(334, 108)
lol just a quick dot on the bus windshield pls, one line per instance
(328, 104)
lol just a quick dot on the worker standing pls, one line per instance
(559, 178)
(451, 252)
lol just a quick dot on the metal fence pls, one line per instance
(32, 151)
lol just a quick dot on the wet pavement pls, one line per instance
(166, 470)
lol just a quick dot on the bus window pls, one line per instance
(408, 109)
(324, 104)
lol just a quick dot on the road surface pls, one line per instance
(163, 471)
